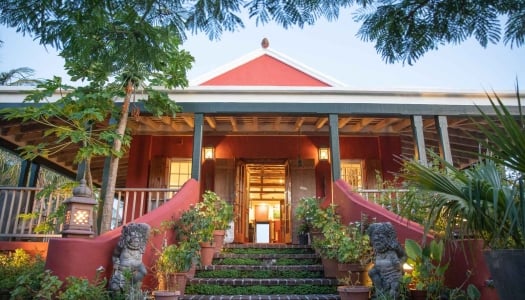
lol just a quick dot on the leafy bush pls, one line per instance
(82, 289)
(16, 264)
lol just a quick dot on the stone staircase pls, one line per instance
(263, 272)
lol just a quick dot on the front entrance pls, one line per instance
(263, 199)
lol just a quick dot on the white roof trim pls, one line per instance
(258, 53)
(317, 95)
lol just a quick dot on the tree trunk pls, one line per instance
(109, 193)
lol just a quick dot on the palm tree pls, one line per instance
(18, 76)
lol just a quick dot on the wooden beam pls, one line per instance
(383, 124)
(188, 120)
(277, 123)
(233, 123)
(298, 123)
(344, 121)
(444, 143)
(361, 124)
(419, 139)
(320, 122)
(211, 122)
(148, 122)
(401, 125)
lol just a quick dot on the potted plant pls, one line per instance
(350, 288)
(326, 245)
(427, 274)
(196, 227)
(354, 251)
(303, 234)
(172, 265)
(306, 211)
(488, 198)
(221, 214)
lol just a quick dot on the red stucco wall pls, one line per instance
(81, 257)
(351, 205)
(144, 148)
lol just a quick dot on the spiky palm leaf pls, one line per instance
(474, 201)
(505, 136)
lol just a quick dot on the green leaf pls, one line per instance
(413, 250)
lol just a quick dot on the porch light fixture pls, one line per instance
(209, 153)
(79, 213)
(324, 153)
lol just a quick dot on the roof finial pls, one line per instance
(265, 43)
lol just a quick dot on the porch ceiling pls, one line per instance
(14, 134)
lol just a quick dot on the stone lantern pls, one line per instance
(79, 213)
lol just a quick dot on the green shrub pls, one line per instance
(16, 264)
(82, 289)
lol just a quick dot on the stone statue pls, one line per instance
(389, 257)
(128, 269)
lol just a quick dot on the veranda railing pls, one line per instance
(26, 215)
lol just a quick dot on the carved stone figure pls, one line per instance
(389, 257)
(128, 269)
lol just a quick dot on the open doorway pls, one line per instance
(265, 201)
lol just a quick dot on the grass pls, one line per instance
(215, 289)
(268, 251)
(258, 262)
(259, 274)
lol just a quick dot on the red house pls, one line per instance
(262, 132)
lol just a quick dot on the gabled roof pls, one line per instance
(265, 67)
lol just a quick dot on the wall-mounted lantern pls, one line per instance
(209, 153)
(324, 154)
(79, 213)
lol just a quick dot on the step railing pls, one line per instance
(387, 198)
(26, 214)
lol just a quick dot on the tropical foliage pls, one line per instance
(428, 267)
(131, 48)
(401, 30)
(18, 76)
(483, 200)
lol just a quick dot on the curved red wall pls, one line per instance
(81, 257)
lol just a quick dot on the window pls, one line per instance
(179, 173)
(352, 173)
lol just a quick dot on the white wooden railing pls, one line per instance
(26, 215)
(23, 212)
(387, 198)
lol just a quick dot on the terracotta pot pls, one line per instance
(418, 294)
(357, 292)
(166, 295)
(207, 253)
(178, 282)
(218, 240)
(358, 272)
(316, 235)
(192, 271)
(330, 267)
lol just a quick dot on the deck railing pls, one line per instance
(27, 215)
(387, 198)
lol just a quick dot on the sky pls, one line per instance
(331, 48)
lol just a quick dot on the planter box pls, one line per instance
(507, 268)
(354, 292)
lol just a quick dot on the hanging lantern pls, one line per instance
(79, 213)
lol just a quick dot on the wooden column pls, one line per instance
(335, 159)
(28, 174)
(419, 139)
(196, 157)
(444, 142)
